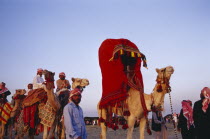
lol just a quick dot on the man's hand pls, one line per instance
(178, 129)
(79, 137)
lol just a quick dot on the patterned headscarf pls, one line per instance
(75, 92)
(206, 93)
(188, 112)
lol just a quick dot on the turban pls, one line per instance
(62, 73)
(75, 92)
(188, 112)
(206, 93)
(40, 70)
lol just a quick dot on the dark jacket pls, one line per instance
(201, 120)
(182, 124)
(156, 126)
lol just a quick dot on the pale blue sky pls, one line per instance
(64, 36)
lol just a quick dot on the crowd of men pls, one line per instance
(193, 122)
(73, 114)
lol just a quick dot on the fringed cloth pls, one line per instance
(5, 110)
(34, 96)
(30, 115)
(188, 112)
(115, 82)
(47, 114)
(31, 103)
(120, 63)
(206, 93)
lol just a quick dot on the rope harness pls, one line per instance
(172, 111)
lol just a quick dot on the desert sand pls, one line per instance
(94, 133)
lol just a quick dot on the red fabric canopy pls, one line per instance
(114, 79)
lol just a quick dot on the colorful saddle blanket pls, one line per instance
(34, 96)
(5, 110)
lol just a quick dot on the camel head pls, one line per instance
(78, 82)
(163, 86)
(49, 79)
(20, 91)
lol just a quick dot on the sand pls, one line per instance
(94, 133)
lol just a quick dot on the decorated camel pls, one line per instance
(17, 100)
(63, 96)
(122, 85)
(5, 111)
(44, 104)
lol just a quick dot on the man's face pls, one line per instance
(62, 77)
(76, 98)
(30, 86)
(39, 73)
(2, 86)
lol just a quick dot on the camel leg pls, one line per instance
(103, 131)
(1, 136)
(131, 122)
(3, 130)
(10, 127)
(102, 113)
(142, 127)
(62, 131)
(45, 132)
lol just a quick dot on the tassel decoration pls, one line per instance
(126, 113)
(101, 120)
(149, 131)
(159, 88)
(125, 126)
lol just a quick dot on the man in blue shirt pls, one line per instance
(73, 117)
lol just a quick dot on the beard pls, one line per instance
(76, 101)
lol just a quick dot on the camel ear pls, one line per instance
(157, 70)
(73, 79)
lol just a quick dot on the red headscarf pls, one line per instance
(75, 92)
(62, 74)
(206, 93)
(188, 112)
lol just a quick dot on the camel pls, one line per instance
(76, 82)
(155, 99)
(52, 102)
(9, 111)
(17, 100)
(46, 111)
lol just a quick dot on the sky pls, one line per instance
(65, 35)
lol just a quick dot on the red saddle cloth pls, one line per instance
(114, 79)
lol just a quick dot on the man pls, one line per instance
(201, 115)
(186, 123)
(30, 88)
(38, 80)
(4, 92)
(62, 82)
(73, 117)
(158, 124)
